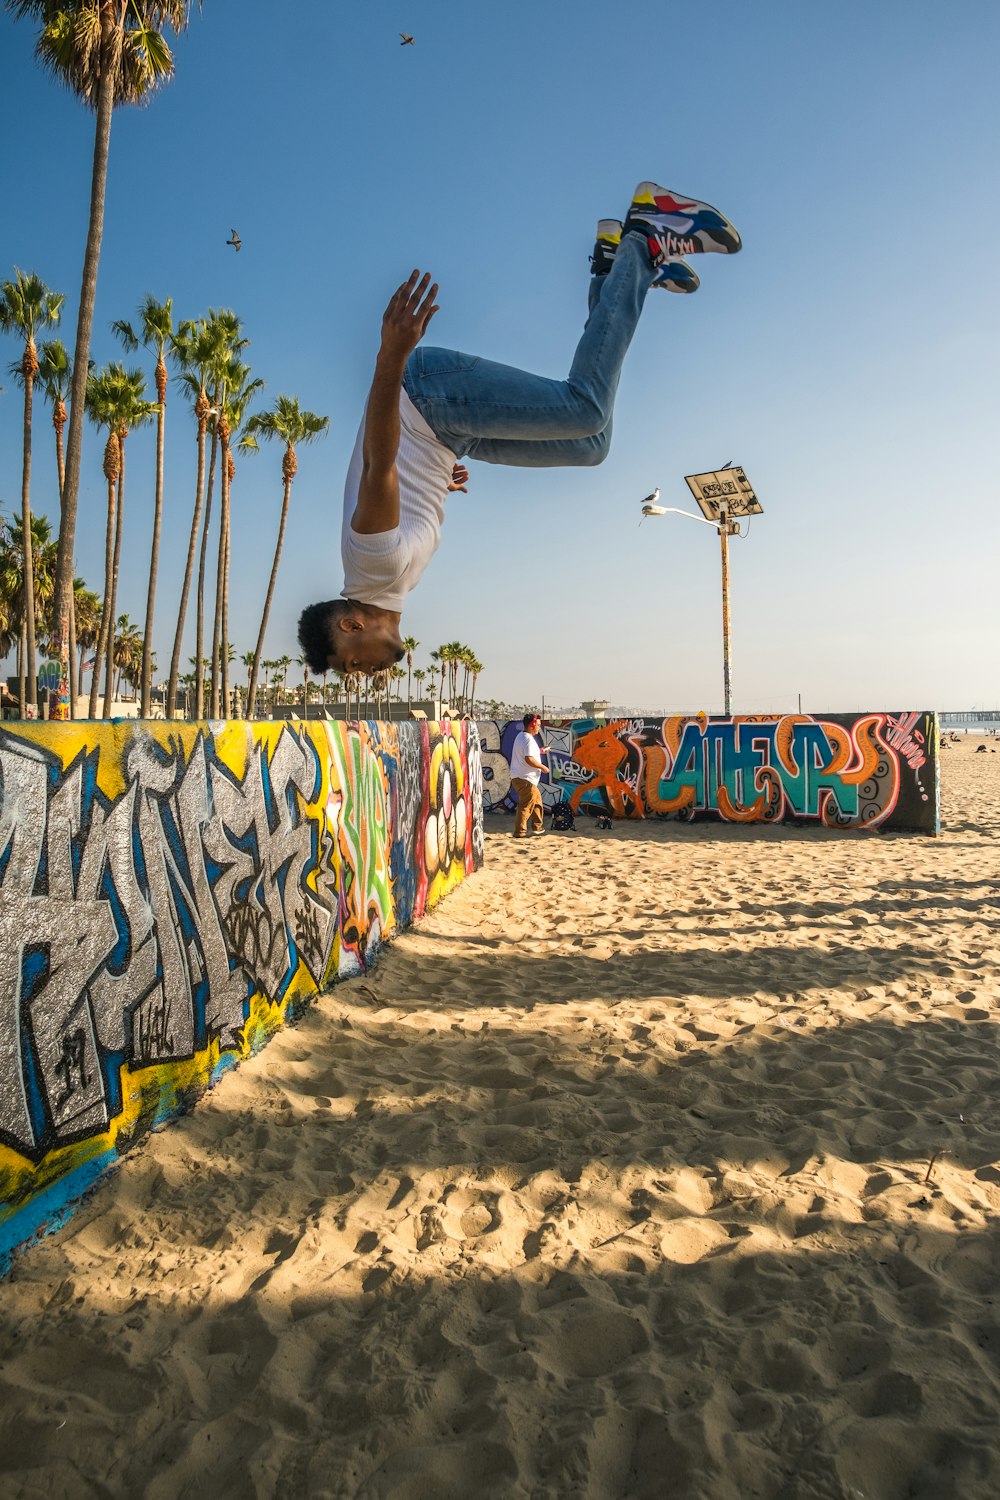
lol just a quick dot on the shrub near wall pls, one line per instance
(844, 771)
(171, 895)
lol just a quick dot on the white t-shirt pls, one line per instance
(383, 568)
(525, 744)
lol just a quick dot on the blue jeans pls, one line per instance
(500, 415)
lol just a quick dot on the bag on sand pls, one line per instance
(562, 817)
(604, 821)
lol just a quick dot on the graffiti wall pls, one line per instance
(171, 895)
(873, 770)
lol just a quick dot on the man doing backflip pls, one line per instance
(428, 408)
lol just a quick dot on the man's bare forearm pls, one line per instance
(381, 442)
(403, 325)
(378, 495)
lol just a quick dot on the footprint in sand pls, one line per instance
(687, 1240)
(469, 1214)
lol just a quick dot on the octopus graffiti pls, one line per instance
(847, 771)
(171, 895)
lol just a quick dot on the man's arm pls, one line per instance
(403, 326)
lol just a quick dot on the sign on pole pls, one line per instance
(726, 490)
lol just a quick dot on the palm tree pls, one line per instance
(116, 397)
(396, 675)
(228, 342)
(419, 674)
(196, 346)
(54, 366)
(100, 411)
(300, 661)
(87, 618)
(247, 660)
(284, 662)
(187, 682)
(199, 677)
(475, 667)
(435, 664)
(471, 667)
(109, 52)
(268, 667)
(27, 305)
(455, 649)
(44, 551)
(13, 565)
(352, 682)
(443, 658)
(127, 652)
(54, 372)
(287, 424)
(156, 328)
(409, 645)
(237, 391)
(11, 590)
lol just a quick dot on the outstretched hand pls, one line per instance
(459, 479)
(405, 320)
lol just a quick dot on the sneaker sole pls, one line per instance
(675, 276)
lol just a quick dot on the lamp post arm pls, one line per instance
(674, 511)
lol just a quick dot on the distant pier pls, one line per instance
(961, 716)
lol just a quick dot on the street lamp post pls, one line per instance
(722, 495)
(725, 527)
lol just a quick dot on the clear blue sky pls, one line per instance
(847, 358)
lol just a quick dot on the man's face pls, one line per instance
(370, 650)
(535, 725)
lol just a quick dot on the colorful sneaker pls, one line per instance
(673, 275)
(609, 237)
(683, 226)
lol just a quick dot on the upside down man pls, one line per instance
(429, 408)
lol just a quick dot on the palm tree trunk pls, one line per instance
(175, 659)
(226, 707)
(29, 561)
(220, 666)
(102, 636)
(63, 600)
(21, 654)
(73, 694)
(219, 570)
(58, 422)
(147, 639)
(110, 659)
(270, 586)
(199, 648)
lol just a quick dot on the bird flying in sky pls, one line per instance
(407, 40)
(236, 242)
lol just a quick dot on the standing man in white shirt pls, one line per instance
(429, 408)
(525, 773)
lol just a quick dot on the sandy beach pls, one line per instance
(657, 1162)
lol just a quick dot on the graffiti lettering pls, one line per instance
(152, 1037)
(307, 935)
(72, 1065)
(253, 937)
(843, 771)
(164, 893)
(903, 735)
